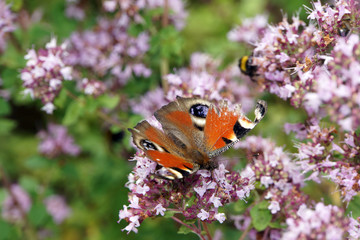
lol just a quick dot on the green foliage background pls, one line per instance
(93, 183)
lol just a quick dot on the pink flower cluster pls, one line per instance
(57, 208)
(354, 229)
(197, 196)
(44, 73)
(110, 50)
(249, 30)
(331, 20)
(129, 9)
(321, 156)
(277, 173)
(322, 222)
(93, 87)
(315, 65)
(149, 103)
(16, 204)
(7, 24)
(56, 141)
(73, 10)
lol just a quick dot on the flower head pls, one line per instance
(57, 208)
(202, 192)
(44, 73)
(16, 204)
(7, 19)
(56, 141)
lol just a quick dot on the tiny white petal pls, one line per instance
(48, 108)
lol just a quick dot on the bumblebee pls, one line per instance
(247, 67)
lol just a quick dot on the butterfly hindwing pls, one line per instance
(160, 148)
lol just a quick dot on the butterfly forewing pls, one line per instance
(224, 127)
(183, 121)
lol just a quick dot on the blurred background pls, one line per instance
(89, 181)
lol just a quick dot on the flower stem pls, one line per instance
(195, 230)
(206, 230)
(14, 41)
(164, 63)
(245, 233)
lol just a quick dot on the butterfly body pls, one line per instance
(193, 131)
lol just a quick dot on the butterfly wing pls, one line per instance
(225, 127)
(161, 149)
(183, 122)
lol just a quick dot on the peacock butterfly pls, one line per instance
(194, 130)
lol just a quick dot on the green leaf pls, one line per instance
(30, 184)
(61, 98)
(277, 224)
(263, 205)
(354, 207)
(37, 162)
(135, 29)
(259, 186)
(6, 126)
(9, 77)
(261, 217)
(184, 230)
(190, 221)
(74, 111)
(15, 4)
(4, 107)
(240, 206)
(38, 215)
(91, 104)
(167, 43)
(191, 201)
(3, 194)
(8, 231)
(109, 101)
(169, 214)
(70, 172)
(357, 131)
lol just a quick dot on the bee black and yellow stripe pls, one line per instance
(246, 66)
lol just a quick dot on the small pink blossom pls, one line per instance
(56, 141)
(203, 215)
(220, 217)
(57, 208)
(274, 207)
(160, 210)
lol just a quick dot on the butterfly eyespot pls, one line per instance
(199, 110)
(147, 145)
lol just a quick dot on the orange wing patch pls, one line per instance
(169, 160)
(180, 119)
(221, 142)
(219, 126)
(154, 134)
